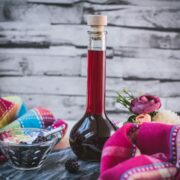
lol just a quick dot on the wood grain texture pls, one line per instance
(153, 17)
(170, 87)
(63, 64)
(44, 35)
(19, 10)
(162, 69)
(110, 2)
(45, 51)
(150, 53)
(23, 35)
(39, 65)
(56, 2)
(70, 85)
(118, 37)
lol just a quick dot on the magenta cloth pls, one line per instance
(59, 123)
(147, 151)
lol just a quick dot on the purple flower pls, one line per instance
(145, 104)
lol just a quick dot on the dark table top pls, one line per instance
(53, 169)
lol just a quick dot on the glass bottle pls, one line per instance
(88, 135)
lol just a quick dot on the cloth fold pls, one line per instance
(146, 151)
(11, 108)
(14, 114)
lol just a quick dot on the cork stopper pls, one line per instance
(97, 22)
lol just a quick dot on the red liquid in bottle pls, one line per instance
(96, 82)
(89, 135)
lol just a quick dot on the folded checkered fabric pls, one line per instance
(147, 151)
(14, 114)
(37, 118)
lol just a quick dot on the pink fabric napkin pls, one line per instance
(147, 151)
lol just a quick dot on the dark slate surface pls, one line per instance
(53, 169)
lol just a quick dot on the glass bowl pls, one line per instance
(26, 156)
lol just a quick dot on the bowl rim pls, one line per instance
(29, 145)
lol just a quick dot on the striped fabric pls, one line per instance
(34, 118)
(11, 108)
(14, 114)
(138, 152)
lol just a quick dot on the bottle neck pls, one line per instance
(96, 73)
(97, 40)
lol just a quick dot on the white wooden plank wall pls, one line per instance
(43, 52)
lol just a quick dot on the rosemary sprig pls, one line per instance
(125, 98)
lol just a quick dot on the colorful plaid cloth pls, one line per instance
(138, 152)
(34, 118)
(13, 114)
